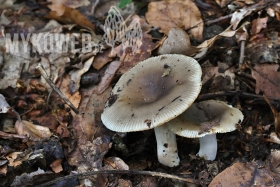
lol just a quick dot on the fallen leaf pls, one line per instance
(56, 166)
(223, 77)
(24, 179)
(69, 15)
(102, 59)
(238, 15)
(12, 157)
(267, 79)
(3, 170)
(258, 24)
(246, 174)
(32, 131)
(176, 13)
(4, 106)
(77, 74)
(74, 98)
(55, 4)
(107, 78)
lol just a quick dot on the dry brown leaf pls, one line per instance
(12, 157)
(275, 114)
(258, 24)
(246, 174)
(223, 77)
(32, 131)
(3, 170)
(176, 13)
(55, 4)
(56, 166)
(107, 78)
(102, 59)
(46, 120)
(275, 160)
(77, 74)
(89, 125)
(267, 79)
(238, 15)
(94, 151)
(223, 3)
(69, 16)
(203, 48)
(74, 98)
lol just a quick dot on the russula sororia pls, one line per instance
(203, 120)
(150, 94)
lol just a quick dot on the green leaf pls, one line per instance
(123, 3)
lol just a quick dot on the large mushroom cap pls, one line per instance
(153, 92)
(206, 117)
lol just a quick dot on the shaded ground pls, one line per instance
(235, 42)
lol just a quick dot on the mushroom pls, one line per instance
(150, 94)
(203, 120)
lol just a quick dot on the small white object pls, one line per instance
(208, 147)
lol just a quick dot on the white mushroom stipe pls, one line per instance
(208, 147)
(166, 146)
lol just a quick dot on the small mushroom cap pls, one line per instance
(153, 92)
(206, 117)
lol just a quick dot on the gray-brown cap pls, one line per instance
(153, 92)
(206, 117)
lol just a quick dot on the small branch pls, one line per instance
(231, 93)
(127, 172)
(218, 19)
(241, 57)
(49, 81)
(11, 136)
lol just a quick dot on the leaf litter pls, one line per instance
(42, 138)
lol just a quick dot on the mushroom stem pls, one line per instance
(208, 147)
(166, 146)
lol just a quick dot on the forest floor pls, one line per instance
(60, 60)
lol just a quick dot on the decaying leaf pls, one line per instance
(176, 13)
(33, 131)
(73, 98)
(69, 15)
(238, 15)
(3, 170)
(258, 24)
(55, 5)
(12, 157)
(101, 59)
(77, 74)
(56, 166)
(246, 174)
(108, 76)
(275, 114)
(4, 106)
(223, 77)
(267, 79)
(25, 179)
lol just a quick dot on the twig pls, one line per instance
(127, 172)
(231, 93)
(218, 19)
(11, 136)
(241, 57)
(44, 74)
